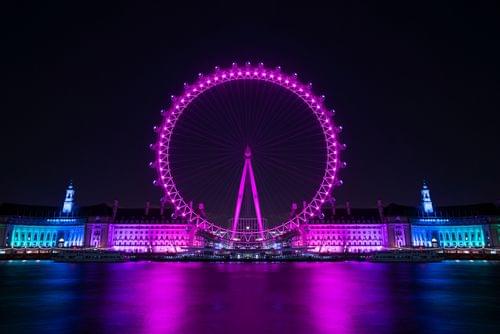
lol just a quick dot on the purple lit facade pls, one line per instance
(351, 233)
(139, 236)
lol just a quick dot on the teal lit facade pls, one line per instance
(453, 234)
(435, 230)
(63, 230)
(54, 232)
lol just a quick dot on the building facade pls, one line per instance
(336, 230)
(36, 227)
(356, 230)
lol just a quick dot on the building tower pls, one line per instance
(247, 169)
(68, 204)
(427, 206)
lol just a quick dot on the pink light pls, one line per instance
(245, 73)
(247, 169)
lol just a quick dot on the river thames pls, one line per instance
(339, 297)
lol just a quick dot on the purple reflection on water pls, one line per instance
(346, 297)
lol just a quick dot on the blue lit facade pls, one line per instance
(450, 233)
(63, 230)
(53, 232)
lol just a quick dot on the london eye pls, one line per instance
(247, 154)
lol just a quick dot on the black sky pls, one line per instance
(415, 85)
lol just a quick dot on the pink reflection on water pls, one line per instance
(164, 294)
(331, 292)
(148, 297)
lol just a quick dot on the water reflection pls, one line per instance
(348, 297)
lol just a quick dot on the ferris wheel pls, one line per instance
(247, 125)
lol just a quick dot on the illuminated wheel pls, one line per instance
(204, 132)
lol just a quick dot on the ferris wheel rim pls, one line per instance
(241, 73)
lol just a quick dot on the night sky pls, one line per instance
(415, 86)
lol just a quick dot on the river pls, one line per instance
(338, 297)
